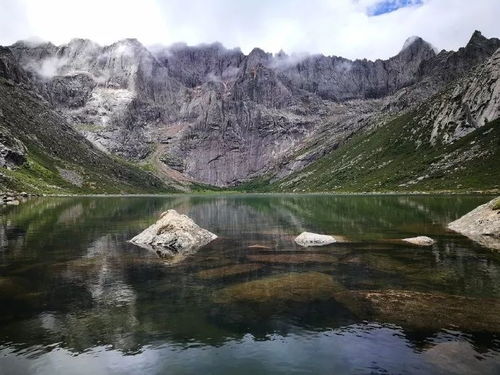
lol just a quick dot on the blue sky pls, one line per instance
(351, 28)
(388, 6)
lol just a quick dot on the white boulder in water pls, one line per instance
(173, 235)
(482, 224)
(420, 241)
(307, 239)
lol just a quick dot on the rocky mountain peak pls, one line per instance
(256, 57)
(281, 55)
(415, 46)
(477, 38)
(480, 45)
(130, 42)
(411, 40)
(128, 47)
(33, 44)
(81, 43)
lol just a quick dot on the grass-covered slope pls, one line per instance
(58, 159)
(399, 156)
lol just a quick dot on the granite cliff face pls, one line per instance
(470, 103)
(217, 116)
(40, 152)
(449, 141)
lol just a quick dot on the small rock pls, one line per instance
(307, 239)
(420, 241)
(13, 202)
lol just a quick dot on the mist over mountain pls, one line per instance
(211, 115)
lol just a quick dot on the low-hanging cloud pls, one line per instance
(284, 61)
(349, 28)
(48, 67)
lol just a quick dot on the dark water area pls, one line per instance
(77, 298)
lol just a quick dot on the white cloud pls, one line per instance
(338, 27)
(47, 67)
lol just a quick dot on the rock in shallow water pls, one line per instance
(291, 287)
(406, 308)
(307, 239)
(481, 224)
(173, 234)
(292, 258)
(420, 310)
(420, 241)
(226, 271)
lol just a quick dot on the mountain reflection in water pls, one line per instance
(76, 297)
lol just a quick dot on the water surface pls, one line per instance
(76, 297)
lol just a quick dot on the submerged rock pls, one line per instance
(481, 224)
(420, 241)
(307, 239)
(259, 246)
(291, 287)
(173, 234)
(237, 269)
(423, 310)
(292, 258)
(407, 308)
(11, 286)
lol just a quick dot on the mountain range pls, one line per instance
(82, 117)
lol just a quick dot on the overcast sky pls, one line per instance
(350, 28)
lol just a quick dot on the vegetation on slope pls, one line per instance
(59, 160)
(398, 156)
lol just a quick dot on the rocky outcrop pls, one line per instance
(307, 239)
(10, 68)
(420, 241)
(12, 150)
(469, 104)
(481, 224)
(173, 236)
(32, 131)
(449, 65)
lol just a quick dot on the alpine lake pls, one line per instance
(77, 298)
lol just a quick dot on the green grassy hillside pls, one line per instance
(399, 157)
(58, 159)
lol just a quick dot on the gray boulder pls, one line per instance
(173, 236)
(482, 224)
(307, 239)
